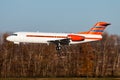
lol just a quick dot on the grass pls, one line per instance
(59, 78)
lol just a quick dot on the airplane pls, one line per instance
(94, 34)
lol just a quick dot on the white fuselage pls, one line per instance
(40, 37)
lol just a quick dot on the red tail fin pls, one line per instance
(97, 29)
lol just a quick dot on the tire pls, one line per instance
(58, 48)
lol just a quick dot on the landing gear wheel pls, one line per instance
(58, 48)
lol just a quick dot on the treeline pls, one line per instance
(95, 59)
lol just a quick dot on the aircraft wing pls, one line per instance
(61, 41)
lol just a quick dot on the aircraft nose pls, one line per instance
(9, 38)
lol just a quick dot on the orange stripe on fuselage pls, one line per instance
(46, 36)
(59, 37)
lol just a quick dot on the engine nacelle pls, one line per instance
(76, 37)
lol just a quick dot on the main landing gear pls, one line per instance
(58, 44)
(59, 51)
(58, 47)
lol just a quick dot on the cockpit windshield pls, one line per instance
(14, 34)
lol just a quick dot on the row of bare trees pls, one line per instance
(95, 59)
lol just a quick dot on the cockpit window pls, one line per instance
(14, 34)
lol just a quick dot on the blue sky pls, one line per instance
(58, 15)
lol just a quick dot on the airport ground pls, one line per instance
(59, 78)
